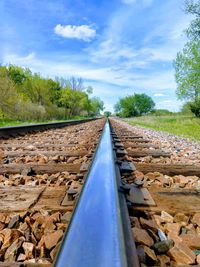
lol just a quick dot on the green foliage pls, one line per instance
(97, 106)
(161, 112)
(178, 124)
(187, 63)
(8, 94)
(28, 96)
(135, 105)
(107, 114)
(195, 107)
(187, 67)
(73, 101)
(17, 74)
(186, 108)
(193, 7)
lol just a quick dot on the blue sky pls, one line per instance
(118, 47)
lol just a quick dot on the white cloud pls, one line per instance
(103, 79)
(119, 77)
(14, 59)
(83, 32)
(146, 3)
(159, 94)
(172, 105)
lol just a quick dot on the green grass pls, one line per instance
(10, 122)
(182, 125)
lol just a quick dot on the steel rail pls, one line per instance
(15, 130)
(96, 233)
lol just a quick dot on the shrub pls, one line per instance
(195, 107)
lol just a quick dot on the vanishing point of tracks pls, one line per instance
(95, 194)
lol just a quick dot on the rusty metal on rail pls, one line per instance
(99, 233)
(15, 130)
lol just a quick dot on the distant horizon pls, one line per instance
(119, 48)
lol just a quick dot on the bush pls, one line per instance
(161, 112)
(186, 108)
(134, 105)
(195, 107)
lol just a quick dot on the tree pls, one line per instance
(187, 68)
(193, 7)
(187, 63)
(97, 106)
(126, 107)
(186, 108)
(26, 95)
(17, 74)
(107, 113)
(8, 94)
(195, 107)
(73, 101)
(76, 84)
(134, 105)
(143, 103)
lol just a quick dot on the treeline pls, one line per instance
(187, 63)
(28, 96)
(134, 105)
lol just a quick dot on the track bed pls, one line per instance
(41, 177)
(163, 197)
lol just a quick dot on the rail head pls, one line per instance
(95, 236)
(15, 130)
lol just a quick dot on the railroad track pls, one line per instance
(41, 176)
(163, 199)
(124, 209)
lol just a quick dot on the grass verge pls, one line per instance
(9, 122)
(181, 125)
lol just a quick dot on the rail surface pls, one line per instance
(96, 234)
(14, 130)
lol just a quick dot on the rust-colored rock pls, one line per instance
(61, 226)
(181, 218)
(150, 254)
(166, 217)
(135, 222)
(48, 226)
(10, 235)
(55, 217)
(196, 219)
(183, 180)
(149, 224)
(157, 220)
(190, 229)
(198, 259)
(164, 260)
(28, 249)
(138, 174)
(3, 217)
(66, 217)
(21, 257)
(2, 155)
(52, 239)
(12, 251)
(182, 254)
(23, 226)
(71, 159)
(192, 241)
(37, 230)
(55, 251)
(142, 237)
(173, 230)
(2, 226)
